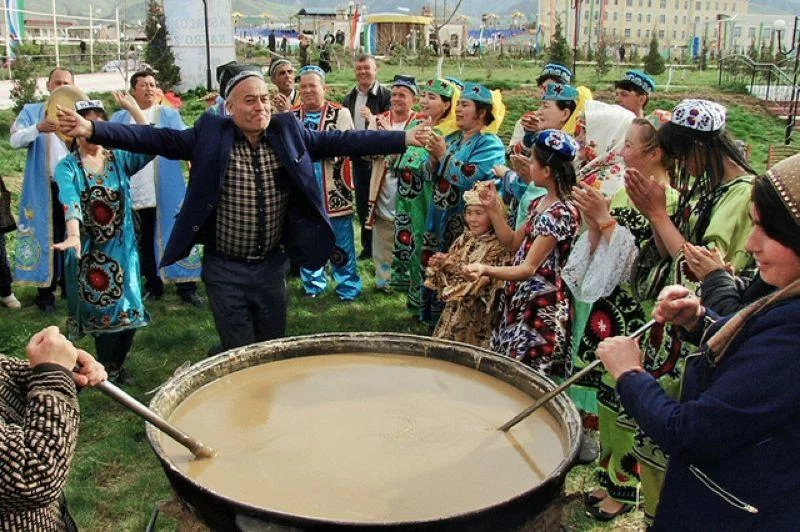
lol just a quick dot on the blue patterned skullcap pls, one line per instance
(409, 82)
(559, 92)
(312, 69)
(558, 142)
(638, 80)
(455, 81)
(556, 72)
(477, 93)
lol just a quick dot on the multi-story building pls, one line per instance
(680, 25)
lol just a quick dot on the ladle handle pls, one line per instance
(196, 447)
(566, 384)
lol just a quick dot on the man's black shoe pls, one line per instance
(193, 299)
(150, 296)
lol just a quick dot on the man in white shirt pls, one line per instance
(367, 98)
(157, 192)
(41, 215)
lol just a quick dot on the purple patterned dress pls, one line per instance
(535, 313)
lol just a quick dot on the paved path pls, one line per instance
(97, 82)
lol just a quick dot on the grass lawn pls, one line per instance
(115, 480)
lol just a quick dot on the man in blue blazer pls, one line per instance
(252, 197)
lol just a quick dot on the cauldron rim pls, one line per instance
(561, 408)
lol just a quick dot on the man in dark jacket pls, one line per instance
(367, 98)
(252, 197)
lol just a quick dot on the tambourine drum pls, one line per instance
(65, 96)
(367, 431)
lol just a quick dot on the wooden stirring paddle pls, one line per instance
(197, 448)
(566, 384)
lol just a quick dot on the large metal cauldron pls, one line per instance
(221, 513)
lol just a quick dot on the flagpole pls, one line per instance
(55, 34)
(91, 38)
(6, 22)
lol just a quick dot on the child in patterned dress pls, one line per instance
(471, 306)
(534, 325)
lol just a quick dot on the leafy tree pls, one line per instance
(559, 51)
(158, 53)
(653, 62)
(602, 65)
(24, 72)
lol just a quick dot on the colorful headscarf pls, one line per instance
(584, 96)
(605, 126)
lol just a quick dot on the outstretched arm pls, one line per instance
(169, 143)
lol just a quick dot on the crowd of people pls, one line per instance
(551, 251)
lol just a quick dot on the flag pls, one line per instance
(15, 20)
(354, 24)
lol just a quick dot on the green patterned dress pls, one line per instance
(728, 228)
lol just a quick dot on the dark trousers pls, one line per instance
(112, 349)
(248, 301)
(147, 256)
(45, 296)
(5, 269)
(362, 173)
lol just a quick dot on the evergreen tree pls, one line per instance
(559, 51)
(158, 54)
(602, 65)
(752, 52)
(653, 62)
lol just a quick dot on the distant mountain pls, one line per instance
(282, 10)
(779, 7)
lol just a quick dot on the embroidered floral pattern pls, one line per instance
(100, 208)
(101, 279)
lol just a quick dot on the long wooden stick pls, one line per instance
(566, 384)
(195, 446)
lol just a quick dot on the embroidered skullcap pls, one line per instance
(558, 142)
(476, 92)
(638, 81)
(700, 115)
(560, 92)
(556, 72)
(471, 197)
(785, 177)
(312, 69)
(273, 66)
(442, 87)
(84, 106)
(455, 81)
(231, 74)
(409, 82)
